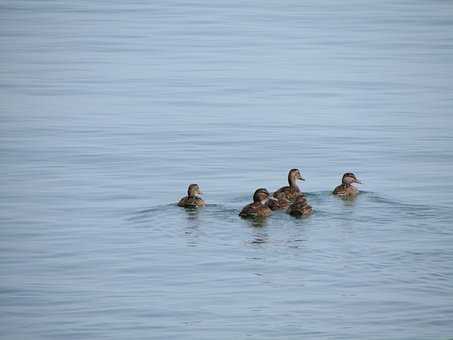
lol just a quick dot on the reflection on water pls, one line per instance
(257, 222)
(192, 214)
(192, 230)
(348, 201)
(259, 237)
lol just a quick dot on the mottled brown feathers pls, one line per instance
(346, 189)
(300, 207)
(278, 202)
(291, 191)
(255, 210)
(192, 200)
(259, 207)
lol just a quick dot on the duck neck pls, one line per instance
(293, 183)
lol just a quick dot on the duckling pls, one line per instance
(193, 199)
(346, 189)
(278, 202)
(259, 206)
(292, 191)
(300, 207)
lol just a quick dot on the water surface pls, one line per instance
(109, 109)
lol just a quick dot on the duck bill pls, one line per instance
(301, 178)
(357, 181)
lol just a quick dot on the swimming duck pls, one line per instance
(346, 189)
(278, 202)
(193, 199)
(292, 191)
(300, 207)
(259, 206)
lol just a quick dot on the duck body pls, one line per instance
(259, 208)
(300, 207)
(192, 200)
(255, 210)
(291, 191)
(346, 189)
(278, 202)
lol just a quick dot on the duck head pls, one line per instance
(194, 190)
(349, 178)
(294, 175)
(261, 195)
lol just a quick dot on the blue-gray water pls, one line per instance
(109, 109)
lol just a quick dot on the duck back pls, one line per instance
(254, 210)
(289, 193)
(300, 208)
(345, 191)
(191, 202)
(278, 202)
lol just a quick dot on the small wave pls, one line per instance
(323, 203)
(389, 203)
(217, 210)
(142, 214)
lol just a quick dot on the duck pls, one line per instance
(278, 202)
(346, 189)
(193, 199)
(259, 207)
(300, 207)
(292, 191)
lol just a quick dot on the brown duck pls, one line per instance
(259, 206)
(300, 207)
(346, 189)
(278, 202)
(193, 199)
(291, 191)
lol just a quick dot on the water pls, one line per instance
(109, 109)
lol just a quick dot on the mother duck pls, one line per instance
(291, 191)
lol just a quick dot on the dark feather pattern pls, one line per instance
(347, 191)
(290, 193)
(254, 210)
(300, 207)
(279, 202)
(191, 202)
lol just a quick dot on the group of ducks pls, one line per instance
(289, 198)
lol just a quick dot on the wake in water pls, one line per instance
(367, 206)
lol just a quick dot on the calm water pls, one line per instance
(109, 109)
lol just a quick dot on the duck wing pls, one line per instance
(288, 193)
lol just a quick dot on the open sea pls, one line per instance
(109, 109)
